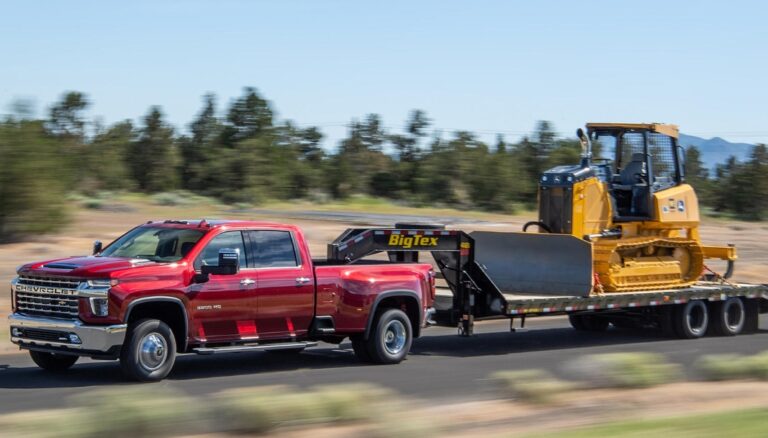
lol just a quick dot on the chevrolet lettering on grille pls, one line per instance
(44, 290)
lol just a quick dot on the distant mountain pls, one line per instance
(716, 150)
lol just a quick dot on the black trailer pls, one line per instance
(487, 278)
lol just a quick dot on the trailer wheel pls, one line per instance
(588, 323)
(149, 351)
(690, 320)
(727, 317)
(52, 361)
(391, 339)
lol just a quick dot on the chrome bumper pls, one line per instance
(50, 333)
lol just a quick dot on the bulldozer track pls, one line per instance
(607, 270)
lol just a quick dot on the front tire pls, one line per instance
(391, 338)
(53, 362)
(149, 351)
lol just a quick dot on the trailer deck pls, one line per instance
(484, 278)
(526, 304)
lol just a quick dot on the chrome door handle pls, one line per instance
(300, 281)
(247, 282)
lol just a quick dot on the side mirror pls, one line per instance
(97, 246)
(229, 263)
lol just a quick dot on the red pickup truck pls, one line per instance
(207, 287)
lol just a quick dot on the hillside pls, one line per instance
(716, 150)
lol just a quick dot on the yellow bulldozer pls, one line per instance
(635, 209)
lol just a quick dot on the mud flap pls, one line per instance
(535, 263)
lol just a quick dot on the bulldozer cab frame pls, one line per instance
(645, 160)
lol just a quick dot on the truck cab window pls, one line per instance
(229, 239)
(272, 249)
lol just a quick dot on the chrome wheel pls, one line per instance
(394, 337)
(153, 351)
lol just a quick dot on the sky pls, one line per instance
(484, 66)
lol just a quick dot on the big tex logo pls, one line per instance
(411, 241)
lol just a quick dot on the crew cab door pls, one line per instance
(224, 307)
(284, 284)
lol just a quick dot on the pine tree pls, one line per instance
(154, 161)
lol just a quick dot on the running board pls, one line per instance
(258, 347)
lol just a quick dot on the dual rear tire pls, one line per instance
(691, 320)
(696, 318)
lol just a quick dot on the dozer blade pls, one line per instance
(536, 264)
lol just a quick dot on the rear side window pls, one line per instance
(272, 249)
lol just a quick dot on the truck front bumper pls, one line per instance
(65, 336)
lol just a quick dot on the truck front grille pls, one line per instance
(47, 296)
(66, 283)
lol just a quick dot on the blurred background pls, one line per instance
(336, 113)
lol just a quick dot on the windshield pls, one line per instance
(604, 144)
(155, 244)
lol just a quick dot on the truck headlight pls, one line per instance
(101, 283)
(99, 306)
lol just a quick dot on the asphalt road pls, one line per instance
(442, 366)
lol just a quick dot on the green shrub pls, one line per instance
(241, 206)
(138, 411)
(532, 386)
(723, 367)
(169, 199)
(351, 402)
(93, 203)
(262, 409)
(758, 365)
(627, 370)
(731, 366)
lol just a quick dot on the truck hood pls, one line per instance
(83, 267)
